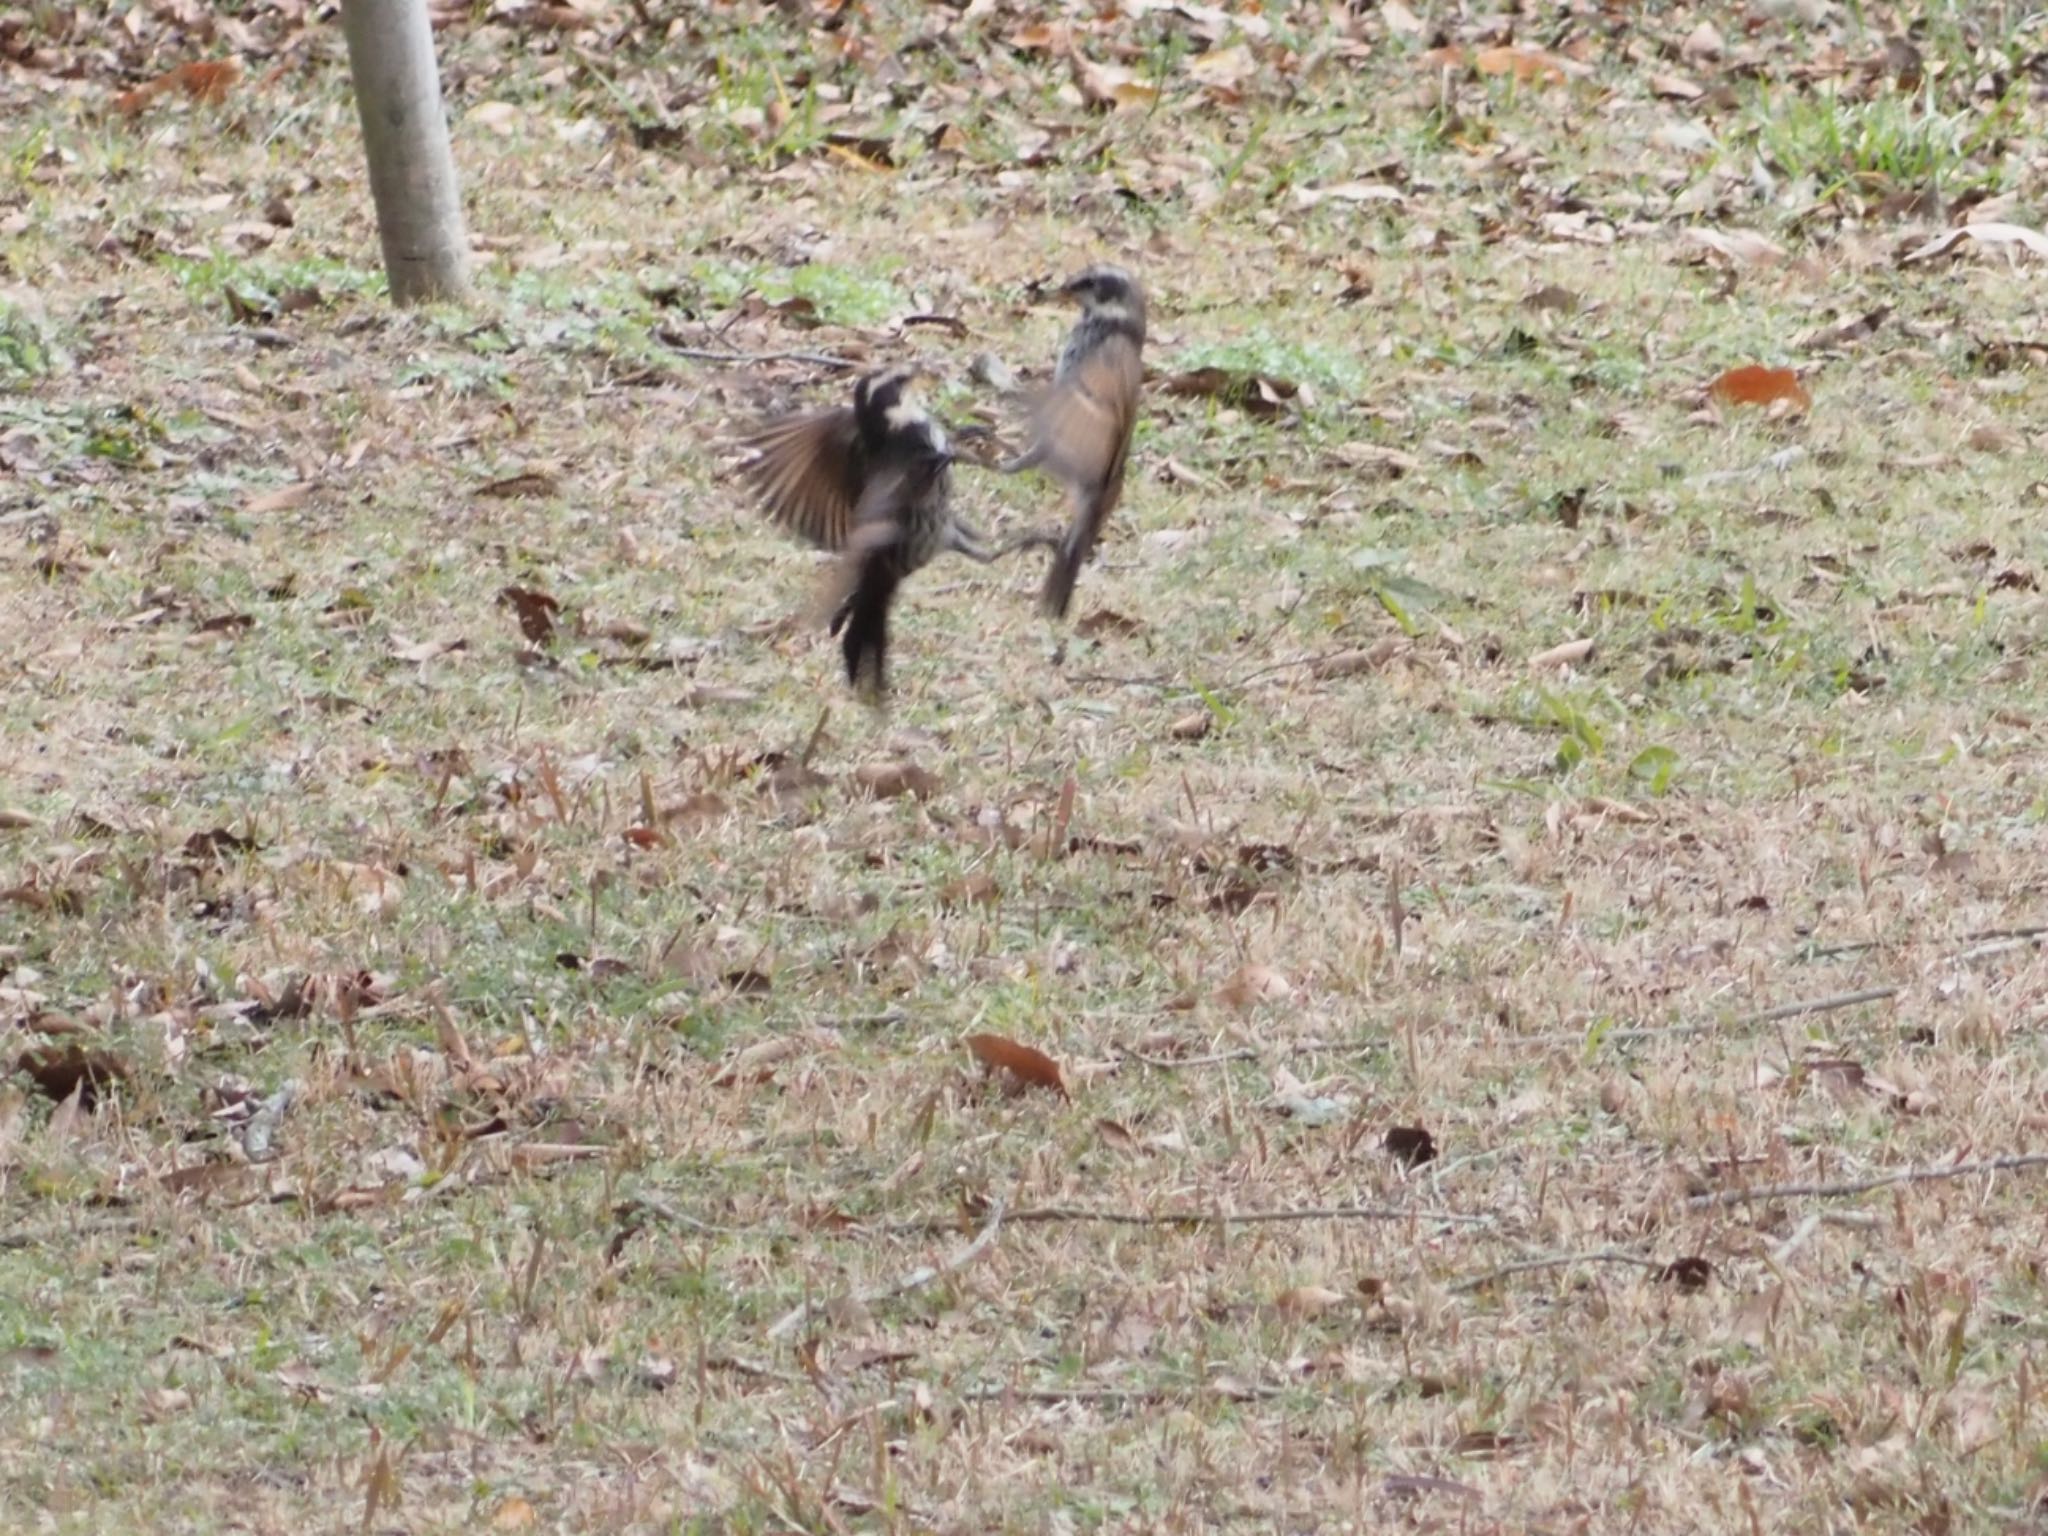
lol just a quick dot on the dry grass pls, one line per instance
(588, 1101)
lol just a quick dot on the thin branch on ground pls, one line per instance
(2001, 944)
(720, 355)
(1037, 1215)
(1555, 1261)
(1875, 1181)
(1254, 1053)
(1829, 1004)
(917, 1279)
(1116, 1396)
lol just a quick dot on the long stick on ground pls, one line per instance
(1793, 1010)
(1555, 1261)
(1875, 1181)
(1199, 1218)
(917, 1279)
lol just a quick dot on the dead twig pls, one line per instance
(915, 1280)
(1114, 1396)
(720, 355)
(1253, 1053)
(1554, 1261)
(1875, 1181)
(1037, 1215)
(1830, 1004)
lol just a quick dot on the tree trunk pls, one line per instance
(405, 137)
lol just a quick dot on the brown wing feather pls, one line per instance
(1084, 424)
(807, 474)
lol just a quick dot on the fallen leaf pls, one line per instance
(1756, 385)
(1351, 663)
(1306, 1301)
(975, 889)
(1257, 394)
(1252, 984)
(1223, 70)
(1107, 621)
(1031, 1067)
(1704, 42)
(1568, 654)
(206, 80)
(1982, 234)
(536, 611)
(531, 483)
(1413, 1485)
(1524, 64)
(62, 1070)
(1688, 1274)
(1411, 1145)
(888, 781)
(282, 499)
(1110, 85)
(427, 650)
(1740, 246)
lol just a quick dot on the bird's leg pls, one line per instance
(975, 546)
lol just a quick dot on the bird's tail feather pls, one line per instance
(865, 641)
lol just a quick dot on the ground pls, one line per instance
(1531, 835)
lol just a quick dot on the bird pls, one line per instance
(1081, 428)
(872, 482)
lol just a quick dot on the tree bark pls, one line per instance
(405, 138)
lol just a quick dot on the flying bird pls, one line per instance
(1081, 429)
(871, 481)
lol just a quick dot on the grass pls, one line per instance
(617, 981)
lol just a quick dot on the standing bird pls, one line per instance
(1081, 429)
(872, 482)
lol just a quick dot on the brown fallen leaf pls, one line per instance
(427, 650)
(1411, 1145)
(1569, 654)
(1031, 1067)
(1990, 233)
(282, 499)
(976, 889)
(1756, 385)
(1302, 1302)
(1351, 663)
(207, 80)
(1256, 394)
(1109, 85)
(535, 609)
(62, 1070)
(1107, 621)
(531, 483)
(1523, 64)
(888, 781)
(1251, 984)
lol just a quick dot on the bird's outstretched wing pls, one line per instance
(1081, 429)
(808, 475)
(1082, 438)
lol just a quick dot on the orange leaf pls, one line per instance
(1020, 1061)
(1524, 64)
(1754, 385)
(207, 80)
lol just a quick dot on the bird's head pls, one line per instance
(885, 402)
(1107, 291)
